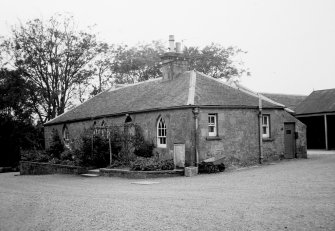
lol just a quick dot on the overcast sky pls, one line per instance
(290, 44)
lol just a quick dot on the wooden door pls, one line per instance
(289, 140)
(179, 155)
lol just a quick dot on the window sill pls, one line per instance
(267, 139)
(161, 146)
(213, 138)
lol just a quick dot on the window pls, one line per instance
(161, 133)
(212, 125)
(266, 126)
(66, 135)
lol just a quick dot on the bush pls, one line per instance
(56, 147)
(94, 154)
(151, 164)
(35, 155)
(144, 149)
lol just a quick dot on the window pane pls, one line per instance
(264, 130)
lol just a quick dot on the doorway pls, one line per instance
(289, 140)
(179, 155)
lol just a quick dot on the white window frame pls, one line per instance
(212, 123)
(161, 133)
(266, 126)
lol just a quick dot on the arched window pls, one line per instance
(66, 135)
(161, 133)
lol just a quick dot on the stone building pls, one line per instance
(190, 117)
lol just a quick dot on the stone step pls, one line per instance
(90, 175)
(94, 171)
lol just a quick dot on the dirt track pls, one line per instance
(290, 195)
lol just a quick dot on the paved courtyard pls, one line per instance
(287, 195)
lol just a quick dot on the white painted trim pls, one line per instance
(191, 89)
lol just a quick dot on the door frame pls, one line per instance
(293, 138)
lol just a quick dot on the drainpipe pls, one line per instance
(196, 120)
(260, 129)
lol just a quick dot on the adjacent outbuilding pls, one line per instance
(317, 111)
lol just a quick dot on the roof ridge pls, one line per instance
(191, 89)
(134, 84)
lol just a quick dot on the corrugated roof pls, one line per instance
(159, 94)
(290, 101)
(318, 102)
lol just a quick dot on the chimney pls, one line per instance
(171, 43)
(174, 62)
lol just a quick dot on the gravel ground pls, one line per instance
(288, 195)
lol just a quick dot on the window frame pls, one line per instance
(212, 124)
(161, 133)
(267, 126)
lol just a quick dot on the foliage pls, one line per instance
(138, 63)
(144, 149)
(216, 61)
(93, 151)
(17, 130)
(56, 146)
(55, 56)
(151, 164)
(35, 155)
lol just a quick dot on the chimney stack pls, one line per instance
(173, 62)
(171, 43)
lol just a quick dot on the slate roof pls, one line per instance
(160, 94)
(318, 102)
(290, 101)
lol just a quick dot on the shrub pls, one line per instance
(151, 164)
(144, 149)
(94, 153)
(56, 147)
(35, 155)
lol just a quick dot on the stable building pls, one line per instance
(317, 111)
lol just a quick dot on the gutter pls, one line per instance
(50, 123)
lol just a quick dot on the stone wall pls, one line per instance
(238, 136)
(35, 168)
(178, 123)
(237, 141)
